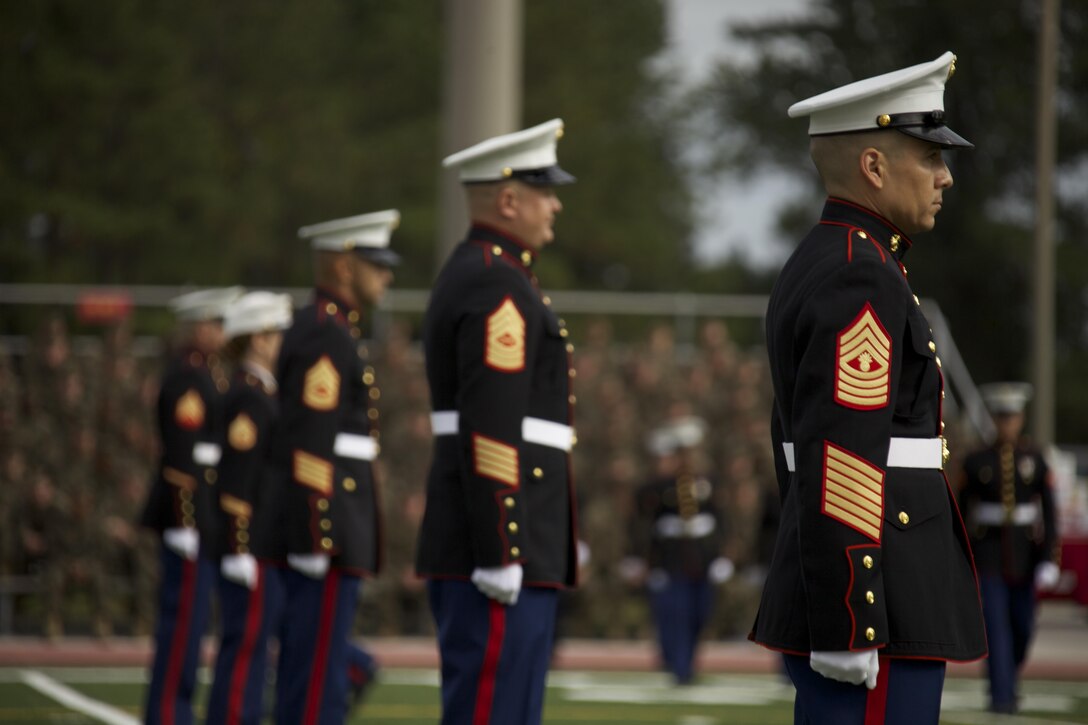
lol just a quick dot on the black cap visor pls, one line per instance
(942, 135)
(544, 176)
(383, 257)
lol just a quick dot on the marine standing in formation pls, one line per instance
(497, 540)
(679, 541)
(872, 579)
(1008, 505)
(323, 447)
(249, 584)
(179, 503)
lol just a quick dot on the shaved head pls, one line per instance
(837, 157)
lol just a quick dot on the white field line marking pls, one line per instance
(76, 701)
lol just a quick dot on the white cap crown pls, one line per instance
(204, 304)
(257, 312)
(528, 156)
(362, 231)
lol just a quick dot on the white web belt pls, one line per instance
(902, 453)
(533, 430)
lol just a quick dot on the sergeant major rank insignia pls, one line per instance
(321, 385)
(504, 347)
(242, 433)
(863, 373)
(189, 411)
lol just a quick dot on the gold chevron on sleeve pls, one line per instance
(175, 477)
(235, 506)
(863, 373)
(504, 345)
(313, 472)
(853, 491)
(242, 432)
(321, 385)
(495, 460)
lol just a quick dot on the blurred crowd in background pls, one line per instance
(78, 443)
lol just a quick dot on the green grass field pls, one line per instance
(410, 697)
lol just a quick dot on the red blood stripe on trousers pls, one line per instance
(321, 648)
(238, 678)
(485, 691)
(180, 642)
(877, 698)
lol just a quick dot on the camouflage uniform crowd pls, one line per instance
(78, 442)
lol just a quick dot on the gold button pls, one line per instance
(368, 379)
(867, 562)
(863, 235)
(916, 300)
(942, 426)
(526, 258)
(372, 414)
(563, 332)
(496, 250)
(942, 395)
(932, 346)
(574, 440)
(242, 522)
(375, 393)
(513, 527)
(515, 552)
(210, 476)
(547, 300)
(903, 518)
(353, 316)
(509, 502)
(538, 472)
(185, 494)
(894, 243)
(187, 509)
(870, 597)
(938, 359)
(322, 504)
(573, 373)
(242, 537)
(507, 172)
(570, 347)
(870, 634)
(330, 308)
(349, 484)
(326, 525)
(326, 543)
(883, 120)
(572, 399)
(356, 332)
(195, 359)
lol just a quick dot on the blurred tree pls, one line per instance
(977, 263)
(156, 142)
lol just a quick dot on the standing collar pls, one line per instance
(334, 306)
(511, 245)
(841, 211)
(263, 375)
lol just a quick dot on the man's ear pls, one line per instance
(506, 201)
(873, 165)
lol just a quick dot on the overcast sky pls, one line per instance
(733, 218)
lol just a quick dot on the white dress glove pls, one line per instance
(315, 566)
(183, 542)
(240, 569)
(852, 667)
(1047, 575)
(501, 583)
(720, 570)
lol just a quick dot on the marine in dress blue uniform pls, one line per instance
(872, 580)
(1006, 500)
(323, 446)
(179, 505)
(249, 583)
(497, 539)
(679, 539)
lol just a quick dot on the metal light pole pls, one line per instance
(482, 92)
(1042, 348)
